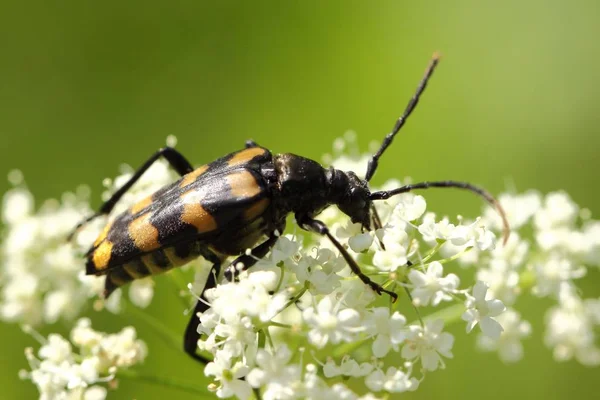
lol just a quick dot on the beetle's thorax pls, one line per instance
(306, 188)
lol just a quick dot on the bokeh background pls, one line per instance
(86, 86)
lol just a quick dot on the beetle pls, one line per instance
(229, 205)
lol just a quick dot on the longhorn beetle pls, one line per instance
(225, 207)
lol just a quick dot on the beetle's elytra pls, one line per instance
(231, 204)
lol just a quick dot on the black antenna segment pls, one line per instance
(374, 161)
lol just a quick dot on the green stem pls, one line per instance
(164, 381)
(161, 330)
(454, 257)
(278, 324)
(294, 299)
(431, 253)
(269, 339)
(348, 348)
(449, 314)
(412, 301)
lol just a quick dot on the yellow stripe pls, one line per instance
(102, 255)
(140, 205)
(192, 176)
(242, 157)
(243, 184)
(143, 233)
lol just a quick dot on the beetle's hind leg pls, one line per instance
(175, 159)
(190, 339)
(191, 336)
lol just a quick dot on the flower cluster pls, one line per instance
(61, 373)
(43, 273)
(299, 323)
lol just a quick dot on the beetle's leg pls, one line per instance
(190, 340)
(319, 227)
(191, 336)
(175, 159)
(251, 143)
(249, 260)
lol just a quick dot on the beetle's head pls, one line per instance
(351, 195)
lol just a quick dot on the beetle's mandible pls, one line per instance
(237, 202)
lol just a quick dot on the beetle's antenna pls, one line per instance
(373, 162)
(446, 184)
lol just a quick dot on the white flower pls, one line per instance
(552, 273)
(56, 349)
(431, 286)
(433, 231)
(558, 210)
(393, 381)
(518, 208)
(230, 377)
(474, 234)
(18, 205)
(428, 344)
(347, 367)
(396, 242)
(141, 292)
(358, 240)
(61, 373)
(570, 329)
(42, 271)
(479, 310)
(329, 324)
(410, 207)
(389, 331)
(275, 373)
(509, 346)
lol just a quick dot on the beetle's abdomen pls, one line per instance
(156, 262)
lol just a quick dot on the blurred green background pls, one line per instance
(86, 86)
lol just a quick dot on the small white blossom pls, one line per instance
(329, 324)
(558, 210)
(570, 330)
(433, 231)
(59, 372)
(509, 346)
(428, 344)
(551, 274)
(389, 331)
(347, 367)
(482, 311)
(229, 377)
(519, 209)
(141, 292)
(275, 373)
(393, 381)
(431, 286)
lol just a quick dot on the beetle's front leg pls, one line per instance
(319, 227)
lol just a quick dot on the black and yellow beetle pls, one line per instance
(228, 206)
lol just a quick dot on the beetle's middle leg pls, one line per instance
(248, 260)
(175, 159)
